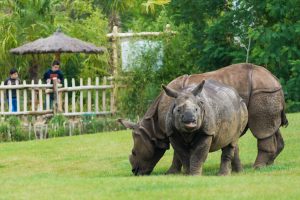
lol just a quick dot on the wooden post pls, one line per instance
(112, 96)
(57, 56)
(48, 99)
(9, 98)
(55, 96)
(73, 97)
(89, 103)
(97, 96)
(18, 97)
(104, 95)
(115, 50)
(2, 98)
(40, 96)
(25, 97)
(66, 96)
(81, 96)
(115, 66)
(32, 96)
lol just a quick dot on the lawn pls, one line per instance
(97, 167)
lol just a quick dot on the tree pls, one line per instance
(25, 21)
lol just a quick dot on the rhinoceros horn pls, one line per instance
(127, 124)
(198, 89)
(170, 92)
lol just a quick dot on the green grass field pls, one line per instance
(97, 167)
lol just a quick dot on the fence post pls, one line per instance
(104, 95)
(40, 97)
(66, 96)
(55, 96)
(97, 95)
(73, 97)
(112, 96)
(2, 98)
(32, 96)
(115, 66)
(18, 97)
(81, 96)
(9, 98)
(25, 97)
(89, 97)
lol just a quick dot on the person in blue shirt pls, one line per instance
(54, 72)
(51, 74)
(12, 80)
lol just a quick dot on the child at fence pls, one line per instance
(12, 80)
(53, 73)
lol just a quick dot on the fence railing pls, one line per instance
(92, 97)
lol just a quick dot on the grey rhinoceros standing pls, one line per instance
(261, 92)
(205, 118)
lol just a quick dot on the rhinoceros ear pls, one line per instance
(170, 92)
(198, 89)
(127, 124)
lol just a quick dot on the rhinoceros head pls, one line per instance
(187, 113)
(145, 154)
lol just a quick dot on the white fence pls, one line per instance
(95, 98)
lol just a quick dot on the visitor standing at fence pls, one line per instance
(12, 80)
(54, 73)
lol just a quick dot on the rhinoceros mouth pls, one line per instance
(138, 172)
(190, 125)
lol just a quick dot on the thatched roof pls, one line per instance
(57, 43)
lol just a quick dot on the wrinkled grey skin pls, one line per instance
(205, 118)
(258, 88)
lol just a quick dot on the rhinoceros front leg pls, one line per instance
(175, 168)
(182, 152)
(226, 159)
(199, 153)
(236, 162)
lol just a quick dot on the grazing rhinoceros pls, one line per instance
(202, 119)
(261, 92)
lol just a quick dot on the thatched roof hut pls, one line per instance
(57, 43)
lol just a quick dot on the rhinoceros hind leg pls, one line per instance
(175, 168)
(280, 146)
(236, 162)
(226, 159)
(265, 118)
(267, 149)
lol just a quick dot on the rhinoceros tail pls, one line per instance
(284, 120)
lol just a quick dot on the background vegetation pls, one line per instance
(97, 167)
(212, 34)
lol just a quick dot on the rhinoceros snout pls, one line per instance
(188, 118)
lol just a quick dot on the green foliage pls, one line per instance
(25, 21)
(4, 132)
(57, 126)
(93, 124)
(144, 81)
(15, 129)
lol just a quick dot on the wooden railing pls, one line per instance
(35, 99)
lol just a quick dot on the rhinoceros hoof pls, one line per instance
(259, 165)
(173, 171)
(237, 169)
